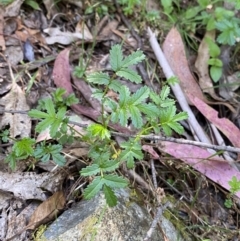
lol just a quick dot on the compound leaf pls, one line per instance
(140, 96)
(133, 58)
(109, 166)
(90, 170)
(149, 109)
(23, 147)
(180, 116)
(99, 78)
(49, 107)
(99, 130)
(110, 196)
(93, 188)
(115, 181)
(116, 57)
(58, 159)
(135, 116)
(37, 114)
(129, 75)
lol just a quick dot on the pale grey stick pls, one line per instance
(181, 141)
(154, 137)
(176, 88)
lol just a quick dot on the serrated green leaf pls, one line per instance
(24, 147)
(130, 163)
(37, 114)
(5, 135)
(99, 78)
(167, 103)
(109, 166)
(54, 149)
(115, 85)
(55, 127)
(59, 159)
(46, 157)
(71, 100)
(98, 94)
(110, 196)
(11, 159)
(116, 57)
(131, 144)
(167, 114)
(111, 104)
(130, 155)
(114, 181)
(129, 75)
(93, 188)
(133, 58)
(166, 129)
(44, 124)
(99, 131)
(90, 170)
(141, 95)
(123, 117)
(58, 94)
(114, 117)
(180, 116)
(150, 109)
(155, 98)
(124, 95)
(136, 116)
(61, 114)
(173, 80)
(164, 92)
(234, 183)
(176, 127)
(49, 107)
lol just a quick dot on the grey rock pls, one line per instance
(94, 220)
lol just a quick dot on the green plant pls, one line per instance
(52, 114)
(214, 62)
(100, 7)
(33, 4)
(129, 5)
(129, 107)
(208, 15)
(147, 111)
(234, 183)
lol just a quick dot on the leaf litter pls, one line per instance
(108, 31)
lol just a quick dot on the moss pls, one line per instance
(38, 234)
(178, 223)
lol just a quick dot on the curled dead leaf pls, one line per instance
(47, 211)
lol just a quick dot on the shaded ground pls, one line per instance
(31, 40)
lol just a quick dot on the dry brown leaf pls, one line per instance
(20, 124)
(202, 67)
(83, 29)
(174, 52)
(48, 210)
(106, 32)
